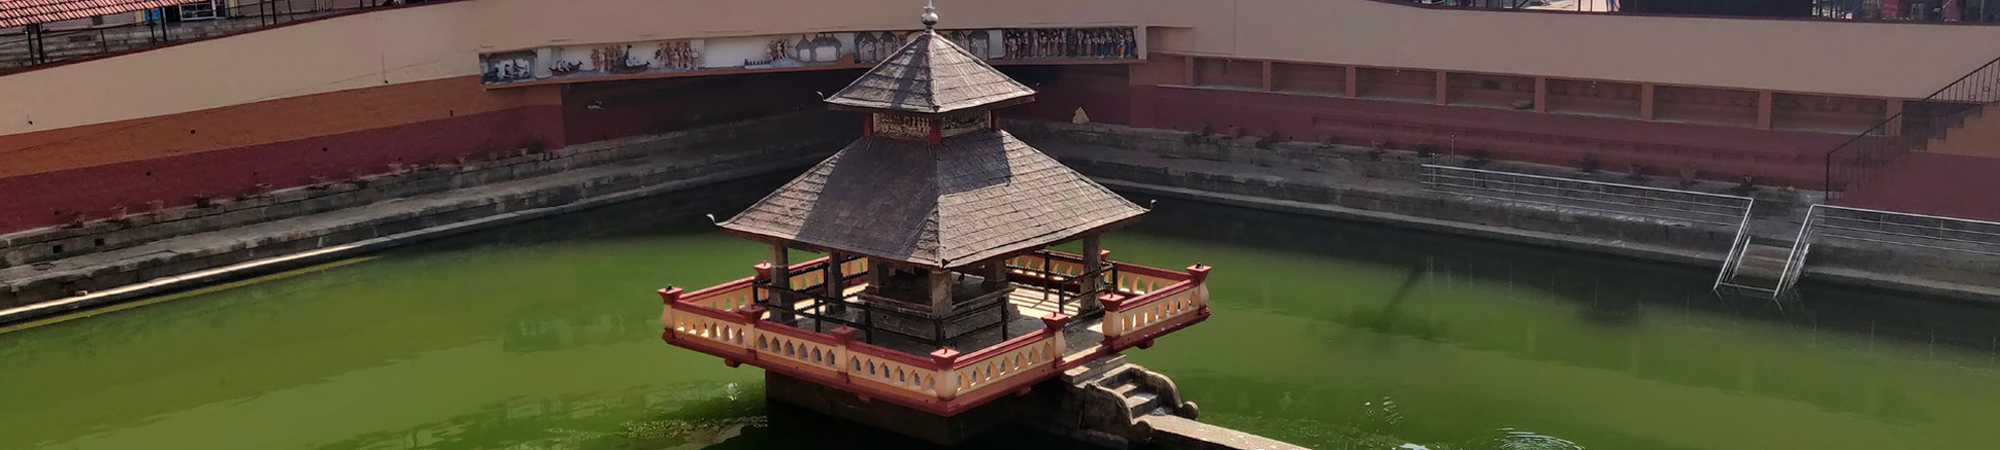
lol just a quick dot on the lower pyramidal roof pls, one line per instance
(974, 197)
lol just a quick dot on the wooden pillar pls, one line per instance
(781, 277)
(1267, 76)
(1441, 90)
(940, 292)
(1763, 110)
(1093, 259)
(1894, 114)
(1646, 101)
(834, 287)
(878, 271)
(1353, 82)
(996, 273)
(1541, 94)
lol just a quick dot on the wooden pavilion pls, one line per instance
(937, 291)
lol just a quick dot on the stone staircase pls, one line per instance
(1108, 399)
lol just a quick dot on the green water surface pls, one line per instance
(1329, 335)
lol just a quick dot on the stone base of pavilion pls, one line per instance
(970, 370)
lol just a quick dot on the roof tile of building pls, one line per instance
(15, 13)
(930, 75)
(975, 197)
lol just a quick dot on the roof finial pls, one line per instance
(930, 16)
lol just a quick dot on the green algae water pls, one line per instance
(1325, 334)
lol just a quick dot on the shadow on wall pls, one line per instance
(607, 110)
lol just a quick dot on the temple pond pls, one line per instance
(1325, 334)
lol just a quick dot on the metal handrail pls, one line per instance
(1574, 191)
(255, 15)
(1833, 185)
(1795, 261)
(1736, 248)
(1963, 226)
(1603, 193)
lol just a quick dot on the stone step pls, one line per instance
(1142, 403)
(1094, 370)
(1127, 389)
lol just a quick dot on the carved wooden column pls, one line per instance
(1093, 259)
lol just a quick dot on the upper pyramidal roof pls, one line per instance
(930, 75)
(953, 201)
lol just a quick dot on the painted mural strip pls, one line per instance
(832, 50)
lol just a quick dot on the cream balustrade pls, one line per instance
(713, 330)
(802, 352)
(1136, 314)
(1058, 266)
(855, 267)
(730, 298)
(1133, 281)
(917, 382)
(991, 371)
(807, 279)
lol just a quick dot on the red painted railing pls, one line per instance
(724, 321)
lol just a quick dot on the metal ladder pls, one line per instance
(1767, 268)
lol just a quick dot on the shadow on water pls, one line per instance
(1607, 291)
(682, 212)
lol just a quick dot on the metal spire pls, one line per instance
(930, 17)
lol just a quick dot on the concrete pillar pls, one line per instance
(1646, 101)
(1353, 82)
(1441, 90)
(1541, 94)
(1188, 75)
(1267, 76)
(1893, 113)
(1763, 110)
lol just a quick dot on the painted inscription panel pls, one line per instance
(966, 122)
(752, 53)
(902, 127)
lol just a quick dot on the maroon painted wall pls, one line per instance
(52, 198)
(598, 111)
(1718, 152)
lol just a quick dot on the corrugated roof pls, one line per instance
(15, 13)
(930, 75)
(974, 197)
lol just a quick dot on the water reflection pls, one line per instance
(1326, 334)
(685, 416)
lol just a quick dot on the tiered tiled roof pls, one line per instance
(930, 75)
(14, 13)
(974, 197)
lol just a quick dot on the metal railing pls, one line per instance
(826, 305)
(1736, 248)
(1896, 228)
(1920, 121)
(1645, 201)
(1795, 261)
(1977, 11)
(1939, 11)
(32, 47)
